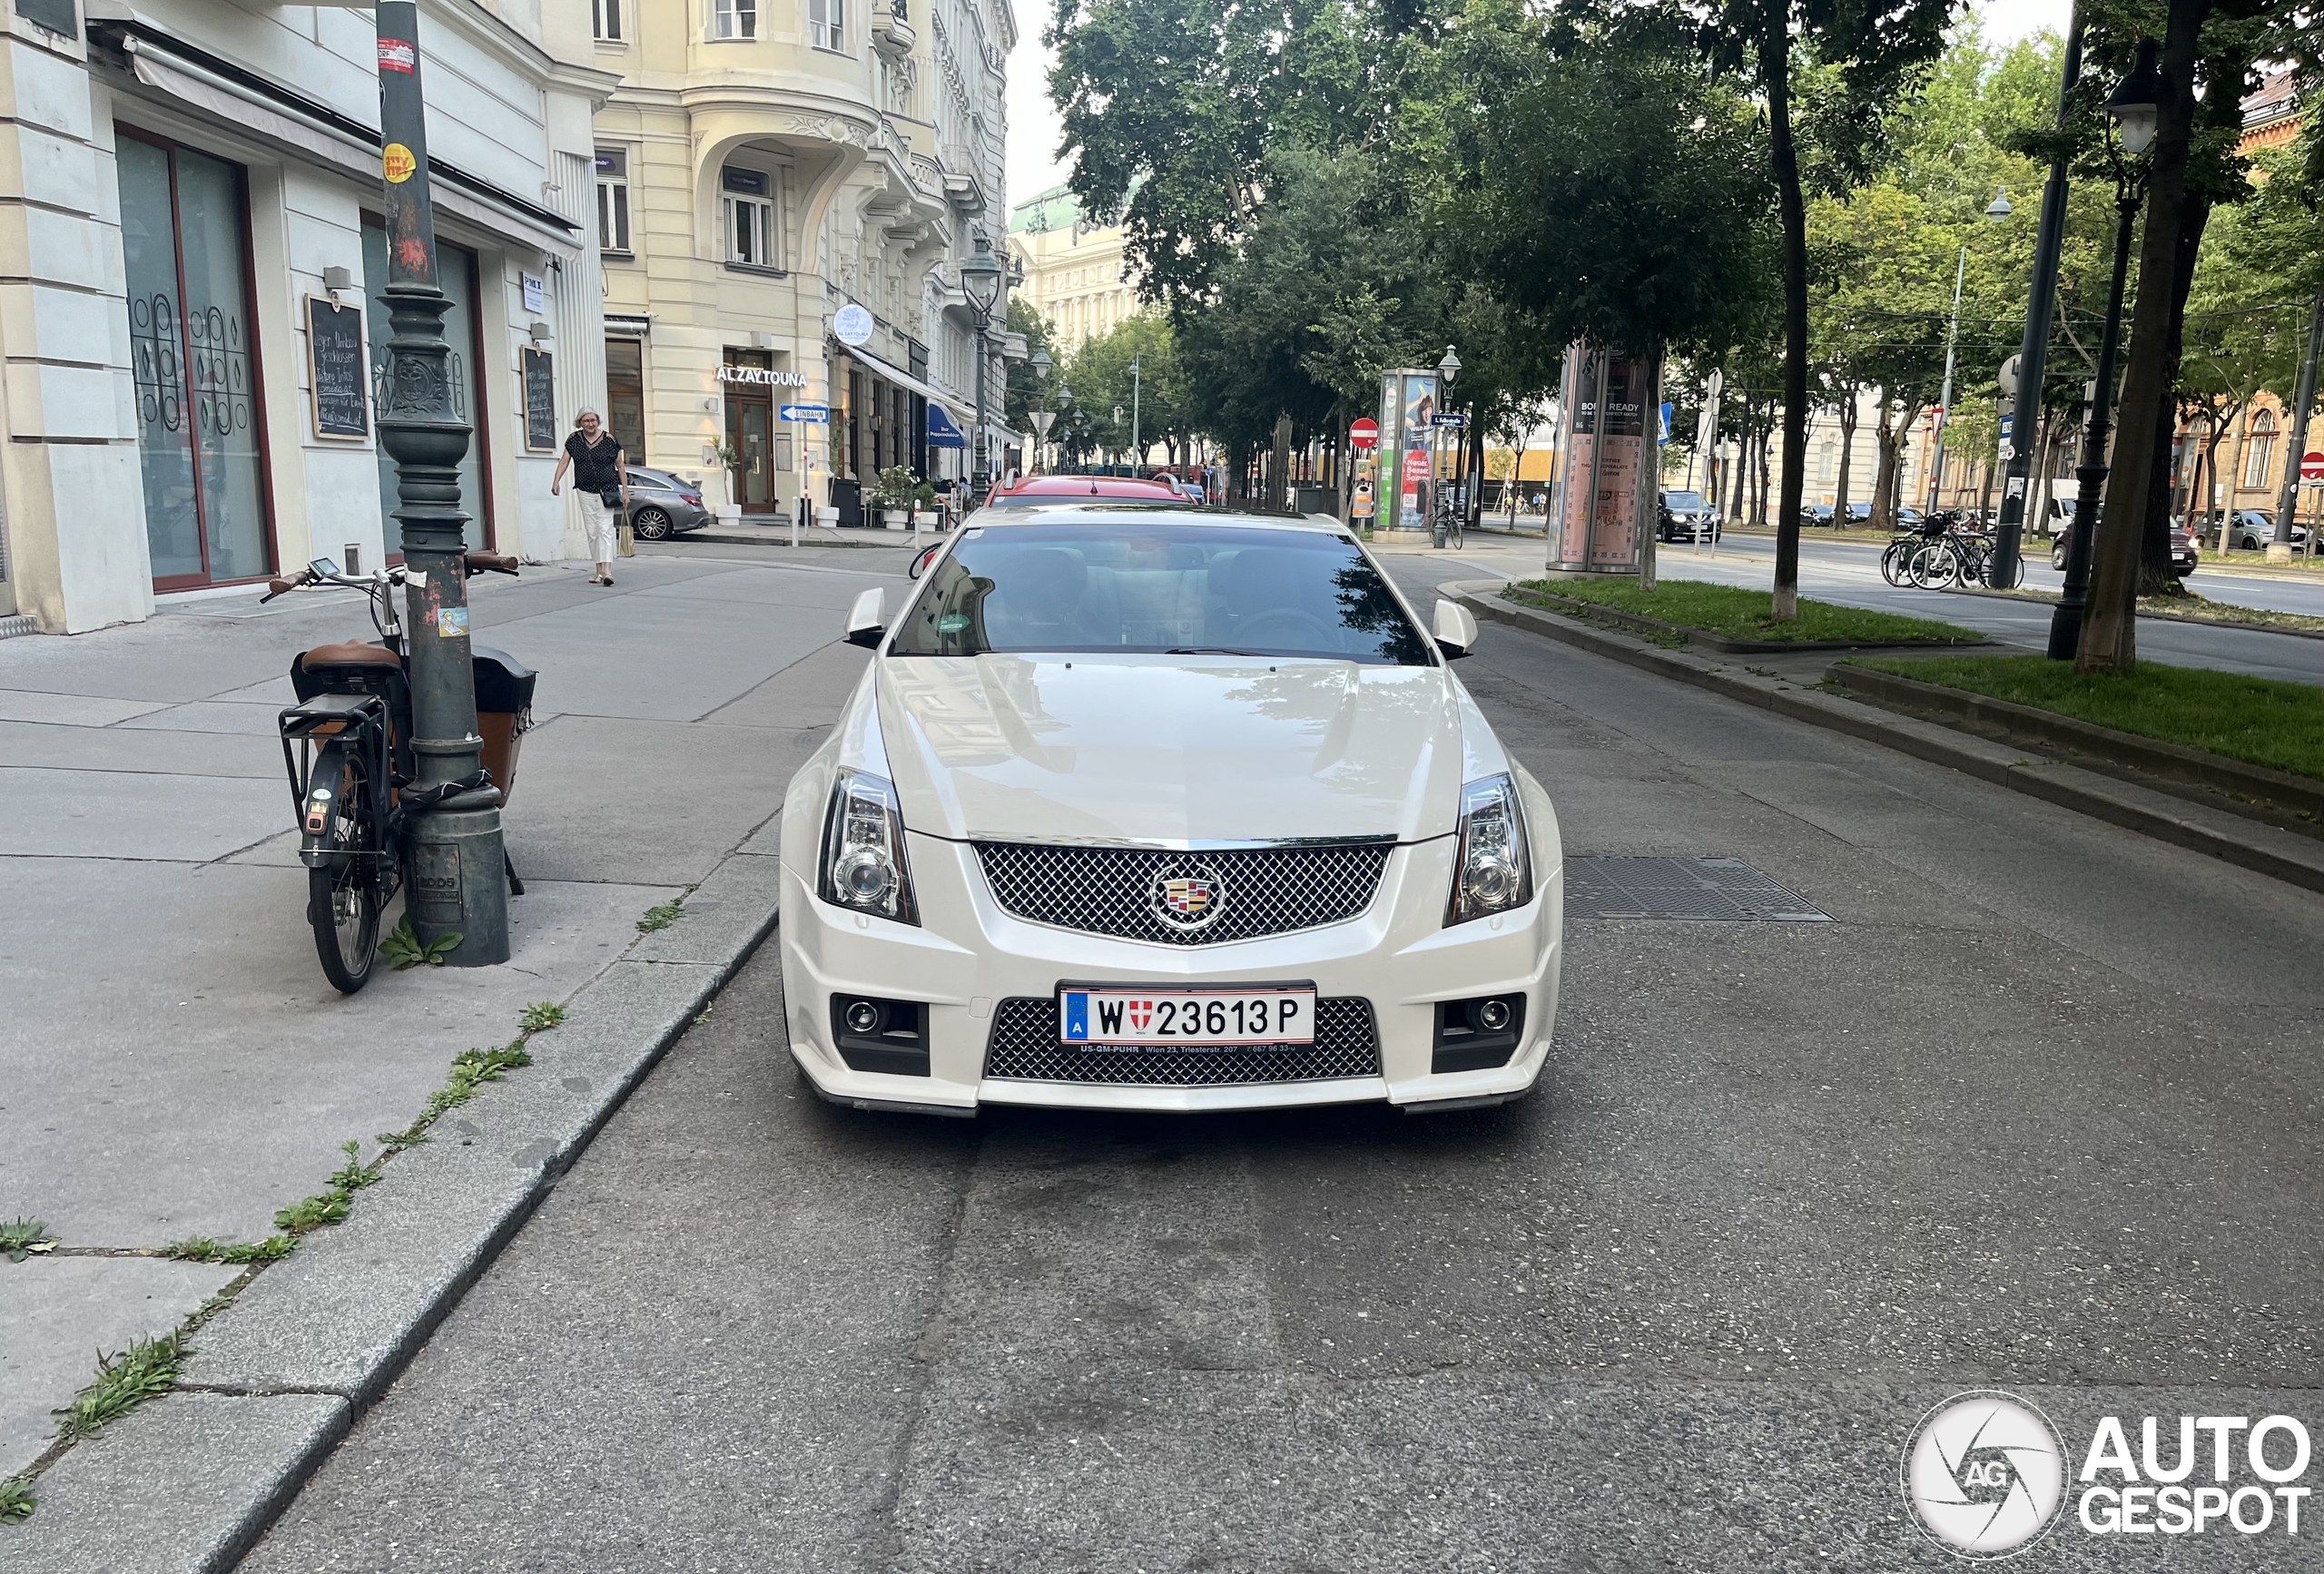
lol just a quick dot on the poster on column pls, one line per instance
(1598, 527)
(1414, 434)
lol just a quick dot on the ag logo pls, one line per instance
(1985, 1474)
(1188, 896)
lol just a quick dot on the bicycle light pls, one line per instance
(317, 810)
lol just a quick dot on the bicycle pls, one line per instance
(347, 751)
(1451, 529)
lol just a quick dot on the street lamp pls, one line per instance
(980, 279)
(1446, 370)
(458, 886)
(1041, 418)
(1996, 211)
(2133, 104)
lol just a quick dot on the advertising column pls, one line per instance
(1408, 400)
(1600, 528)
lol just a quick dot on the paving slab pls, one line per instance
(61, 1314)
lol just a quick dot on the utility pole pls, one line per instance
(458, 876)
(2296, 439)
(2065, 622)
(2034, 350)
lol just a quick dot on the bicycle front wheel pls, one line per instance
(1893, 563)
(343, 893)
(1457, 533)
(1935, 569)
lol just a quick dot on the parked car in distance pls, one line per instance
(1910, 519)
(2183, 553)
(1685, 516)
(1066, 491)
(2250, 529)
(661, 506)
(1816, 514)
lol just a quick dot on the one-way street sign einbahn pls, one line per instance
(807, 413)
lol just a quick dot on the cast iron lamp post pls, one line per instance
(981, 282)
(1041, 418)
(2133, 110)
(459, 877)
(1997, 210)
(1446, 370)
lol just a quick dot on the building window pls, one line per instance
(750, 218)
(733, 18)
(2259, 462)
(827, 24)
(613, 199)
(606, 18)
(183, 230)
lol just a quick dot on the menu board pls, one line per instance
(336, 369)
(540, 400)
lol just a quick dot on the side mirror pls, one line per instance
(867, 622)
(920, 563)
(1457, 630)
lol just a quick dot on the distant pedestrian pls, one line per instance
(601, 482)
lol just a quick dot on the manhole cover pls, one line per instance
(1724, 888)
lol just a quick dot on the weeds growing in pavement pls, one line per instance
(203, 1249)
(25, 1236)
(404, 948)
(660, 916)
(147, 1368)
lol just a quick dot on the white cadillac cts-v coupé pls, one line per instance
(1142, 808)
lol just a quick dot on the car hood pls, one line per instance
(1169, 748)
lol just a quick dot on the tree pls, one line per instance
(1025, 392)
(1873, 56)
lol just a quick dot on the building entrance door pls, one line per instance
(749, 432)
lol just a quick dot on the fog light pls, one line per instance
(1493, 1016)
(863, 1016)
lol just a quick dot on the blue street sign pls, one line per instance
(1450, 418)
(1666, 424)
(806, 412)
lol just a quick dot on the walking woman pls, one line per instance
(601, 479)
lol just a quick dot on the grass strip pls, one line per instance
(2188, 606)
(2259, 721)
(1735, 612)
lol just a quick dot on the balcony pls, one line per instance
(892, 31)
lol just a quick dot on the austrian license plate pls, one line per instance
(1103, 1019)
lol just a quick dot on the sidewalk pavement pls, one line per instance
(172, 1062)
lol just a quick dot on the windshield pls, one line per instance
(1144, 496)
(1690, 501)
(1159, 589)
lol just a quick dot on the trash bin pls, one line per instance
(847, 496)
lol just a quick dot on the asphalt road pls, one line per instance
(2038, 1110)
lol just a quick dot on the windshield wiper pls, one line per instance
(1213, 650)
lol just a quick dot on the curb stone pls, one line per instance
(189, 1482)
(1594, 612)
(2283, 855)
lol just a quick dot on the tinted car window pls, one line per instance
(1096, 587)
(1685, 502)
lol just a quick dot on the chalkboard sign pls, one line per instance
(335, 370)
(540, 400)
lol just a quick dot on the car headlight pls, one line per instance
(1492, 872)
(863, 848)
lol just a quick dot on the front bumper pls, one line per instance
(968, 956)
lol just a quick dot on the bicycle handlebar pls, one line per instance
(472, 564)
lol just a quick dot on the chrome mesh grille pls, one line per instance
(1024, 1048)
(1111, 890)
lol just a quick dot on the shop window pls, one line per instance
(626, 396)
(613, 199)
(606, 18)
(827, 24)
(456, 275)
(185, 226)
(750, 218)
(733, 18)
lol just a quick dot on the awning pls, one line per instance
(902, 379)
(941, 432)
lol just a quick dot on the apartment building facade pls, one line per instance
(786, 191)
(189, 216)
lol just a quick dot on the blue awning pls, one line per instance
(941, 432)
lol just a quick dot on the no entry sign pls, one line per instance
(2311, 465)
(1364, 436)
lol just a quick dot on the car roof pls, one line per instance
(1124, 512)
(1086, 486)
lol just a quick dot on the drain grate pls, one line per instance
(1723, 888)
